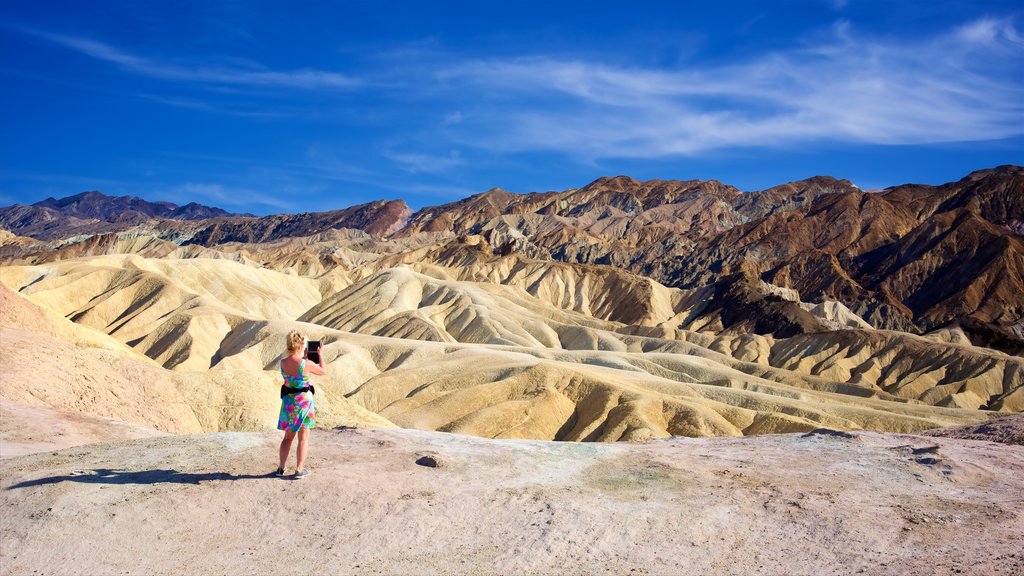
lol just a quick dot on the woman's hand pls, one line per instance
(319, 369)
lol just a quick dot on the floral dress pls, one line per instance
(297, 410)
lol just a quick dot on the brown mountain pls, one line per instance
(681, 308)
(46, 223)
(96, 205)
(461, 216)
(790, 196)
(378, 218)
(93, 212)
(911, 257)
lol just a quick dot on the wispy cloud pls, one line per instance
(419, 194)
(237, 74)
(965, 84)
(191, 104)
(329, 164)
(990, 33)
(75, 182)
(961, 86)
(221, 195)
(418, 163)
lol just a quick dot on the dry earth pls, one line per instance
(823, 503)
(186, 346)
(139, 394)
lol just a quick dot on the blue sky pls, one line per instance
(297, 106)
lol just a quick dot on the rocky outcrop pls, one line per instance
(376, 218)
(791, 196)
(910, 258)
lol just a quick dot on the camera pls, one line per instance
(313, 351)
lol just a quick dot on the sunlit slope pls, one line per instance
(175, 311)
(890, 365)
(50, 362)
(401, 303)
(429, 349)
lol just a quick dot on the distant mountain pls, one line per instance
(95, 213)
(194, 211)
(99, 206)
(378, 218)
(910, 257)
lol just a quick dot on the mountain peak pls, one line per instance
(618, 182)
(1003, 170)
(96, 205)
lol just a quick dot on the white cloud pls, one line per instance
(990, 33)
(964, 85)
(74, 182)
(191, 104)
(327, 163)
(221, 196)
(217, 74)
(436, 191)
(418, 163)
(453, 118)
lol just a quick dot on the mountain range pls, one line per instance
(913, 258)
(621, 310)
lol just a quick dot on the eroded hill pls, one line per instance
(622, 310)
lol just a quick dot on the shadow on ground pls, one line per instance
(107, 476)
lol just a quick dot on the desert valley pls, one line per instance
(655, 377)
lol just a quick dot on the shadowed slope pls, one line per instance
(174, 310)
(48, 362)
(601, 379)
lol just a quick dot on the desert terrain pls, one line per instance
(655, 377)
(816, 503)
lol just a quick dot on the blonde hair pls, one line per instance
(295, 341)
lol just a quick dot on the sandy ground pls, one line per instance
(869, 503)
(31, 429)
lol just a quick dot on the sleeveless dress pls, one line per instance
(297, 410)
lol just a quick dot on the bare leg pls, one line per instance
(300, 455)
(286, 447)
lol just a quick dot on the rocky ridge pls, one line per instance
(912, 257)
(806, 305)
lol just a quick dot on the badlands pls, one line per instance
(553, 383)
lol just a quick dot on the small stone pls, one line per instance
(430, 461)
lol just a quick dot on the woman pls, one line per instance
(297, 406)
